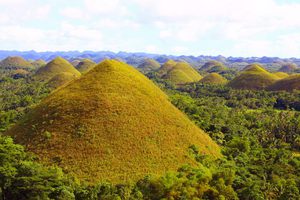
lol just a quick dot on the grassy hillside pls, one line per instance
(39, 63)
(85, 65)
(167, 66)
(281, 75)
(182, 73)
(213, 66)
(288, 67)
(289, 83)
(55, 67)
(253, 77)
(112, 124)
(149, 65)
(61, 79)
(213, 78)
(15, 62)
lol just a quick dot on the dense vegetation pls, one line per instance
(259, 132)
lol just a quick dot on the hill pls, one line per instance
(213, 66)
(167, 66)
(55, 67)
(149, 65)
(39, 63)
(112, 124)
(281, 75)
(61, 79)
(182, 73)
(15, 62)
(85, 65)
(289, 83)
(253, 77)
(213, 78)
(288, 67)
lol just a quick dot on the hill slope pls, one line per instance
(61, 79)
(85, 65)
(167, 66)
(55, 67)
(182, 73)
(213, 78)
(112, 123)
(253, 77)
(15, 62)
(149, 65)
(288, 67)
(281, 75)
(213, 66)
(289, 83)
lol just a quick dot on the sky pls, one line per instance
(179, 27)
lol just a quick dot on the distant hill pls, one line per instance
(149, 65)
(182, 73)
(39, 63)
(213, 66)
(289, 83)
(166, 67)
(61, 79)
(288, 67)
(281, 75)
(15, 62)
(55, 67)
(253, 77)
(213, 78)
(111, 124)
(85, 65)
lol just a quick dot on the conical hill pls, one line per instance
(289, 83)
(112, 124)
(149, 65)
(253, 77)
(85, 65)
(166, 67)
(55, 67)
(182, 73)
(213, 78)
(15, 62)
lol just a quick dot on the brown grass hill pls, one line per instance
(111, 124)
(55, 67)
(149, 65)
(61, 79)
(288, 67)
(182, 73)
(253, 77)
(213, 66)
(15, 62)
(213, 78)
(281, 75)
(75, 62)
(289, 83)
(38, 63)
(166, 67)
(85, 65)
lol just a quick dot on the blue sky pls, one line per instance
(189, 27)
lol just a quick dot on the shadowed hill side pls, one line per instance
(214, 78)
(182, 73)
(167, 66)
(61, 79)
(288, 67)
(55, 67)
(112, 124)
(253, 77)
(85, 65)
(213, 66)
(149, 65)
(15, 62)
(39, 63)
(289, 83)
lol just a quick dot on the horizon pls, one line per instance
(193, 27)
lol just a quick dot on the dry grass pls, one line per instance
(166, 67)
(253, 77)
(55, 67)
(281, 75)
(182, 73)
(149, 65)
(111, 124)
(214, 78)
(85, 65)
(15, 62)
(289, 83)
(61, 79)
